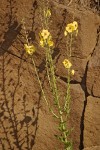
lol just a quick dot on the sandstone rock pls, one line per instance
(88, 33)
(77, 101)
(18, 102)
(92, 148)
(93, 72)
(92, 122)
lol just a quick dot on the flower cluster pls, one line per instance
(70, 28)
(67, 64)
(46, 39)
(30, 49)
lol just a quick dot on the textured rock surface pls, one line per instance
(93, 148)
(77, 105)
(25, 122)
(93, 74)
(92, 122)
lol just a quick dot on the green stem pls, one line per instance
(53, 113)
(67, 97)
(70, 46)
(48, 72)
(63, 130)
(52, 72)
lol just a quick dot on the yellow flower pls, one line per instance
(46, 39)
(70, 28)
(67, 64)
(30, 49)
(75, 25)
(41, 43)
(45, 34)
(47, 13)
(72, 72)
(65, 33)
(50, 43)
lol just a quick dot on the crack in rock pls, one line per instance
(84, 87)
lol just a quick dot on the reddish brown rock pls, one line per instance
(92, 148)
(92, 122)
(93, 72)
(77, 101)
(88, 33)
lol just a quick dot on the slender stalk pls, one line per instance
(64, 127)
(48, 71)
(54, 113)
(67, 96)
(52, 72)
(70, 46)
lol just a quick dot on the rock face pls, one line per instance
(93, 148)
(25, 121)
(93, 74)
(92, 122)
